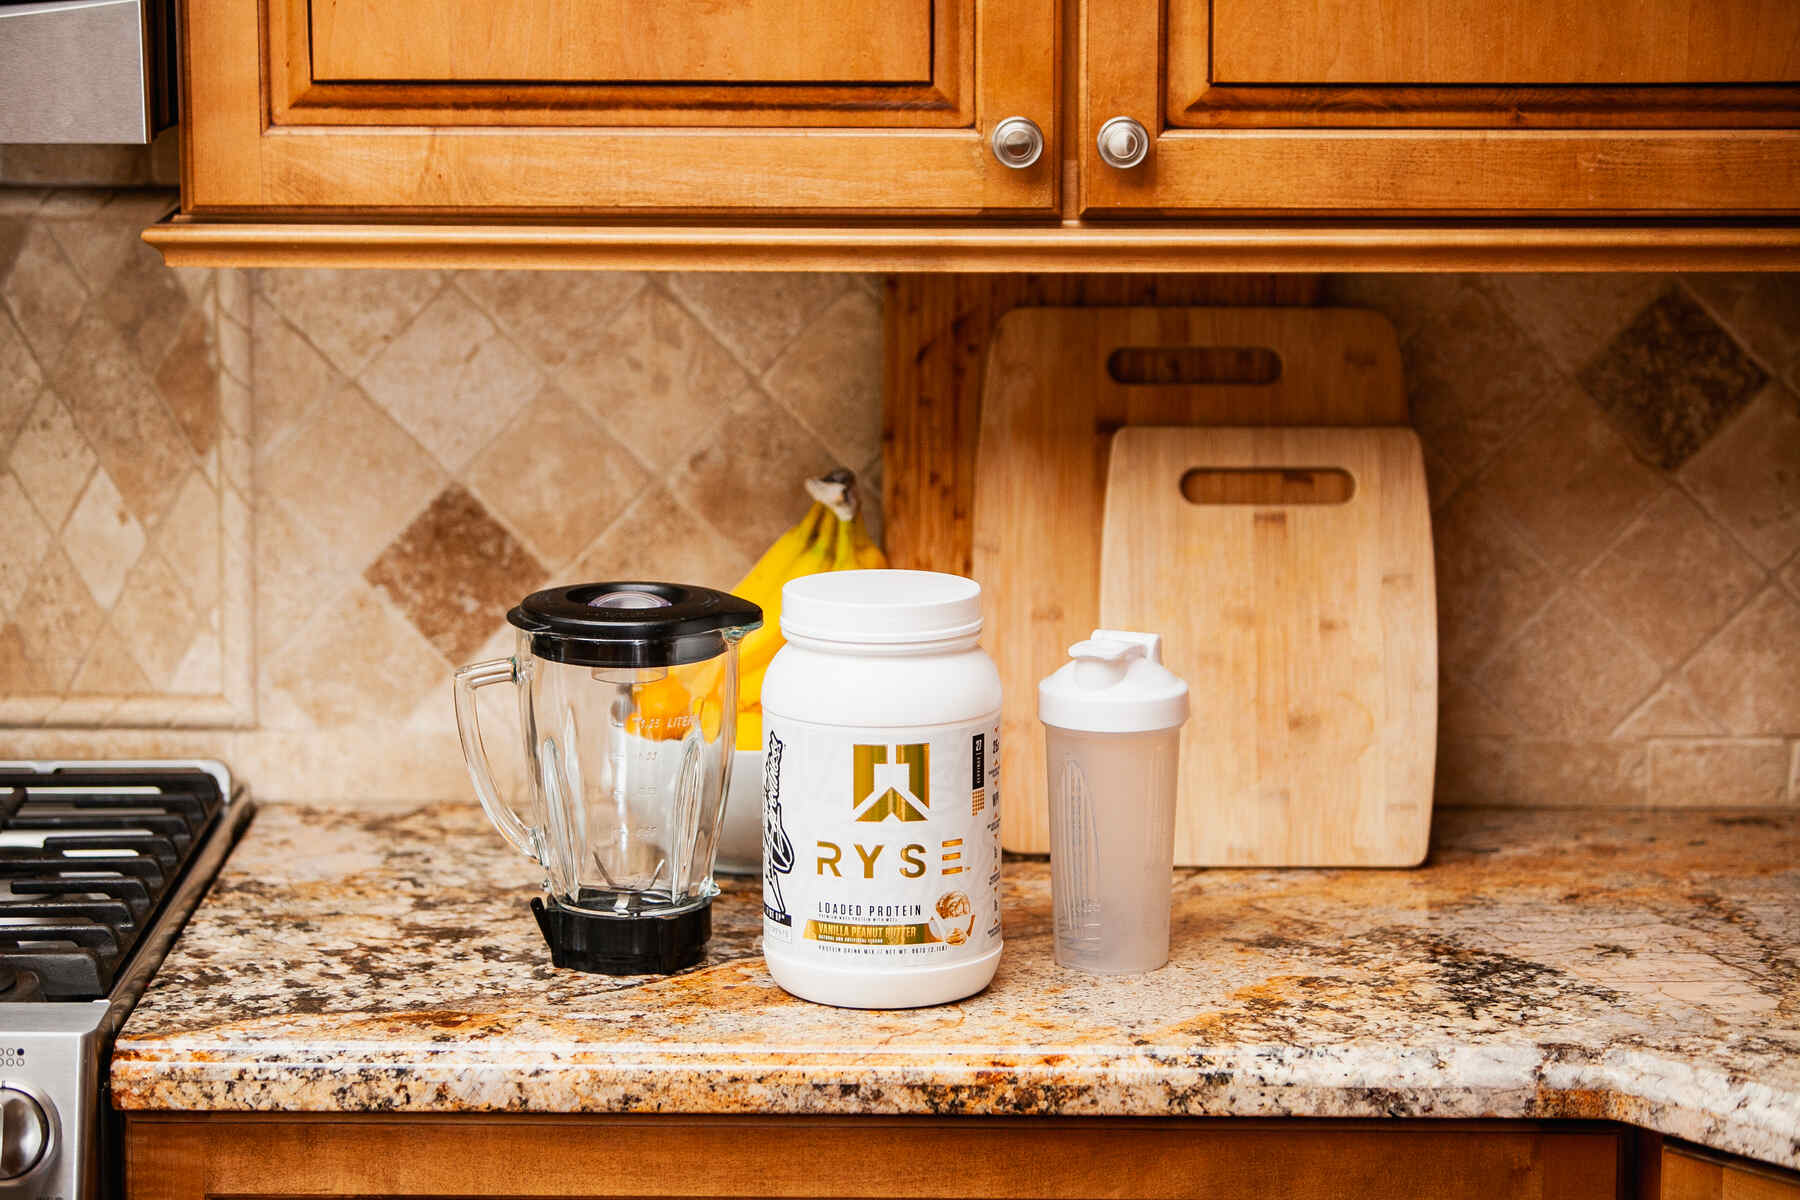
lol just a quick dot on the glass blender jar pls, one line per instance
(628, 706)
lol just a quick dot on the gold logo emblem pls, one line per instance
(891, 781)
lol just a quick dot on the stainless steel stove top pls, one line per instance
(100, 865)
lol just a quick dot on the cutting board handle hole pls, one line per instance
(1188, 366)
(1267, 485)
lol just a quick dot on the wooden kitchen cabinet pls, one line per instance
(200, 1156)
(1445, 107)
(600, 107)
(1690, 1173)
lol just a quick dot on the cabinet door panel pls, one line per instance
(613, 41)
(1559, 42)
(1444, 108)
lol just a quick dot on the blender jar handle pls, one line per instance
(468, 728)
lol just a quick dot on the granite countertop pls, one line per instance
(1643, 967)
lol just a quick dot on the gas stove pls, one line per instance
(100, 865)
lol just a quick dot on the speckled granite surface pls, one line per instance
(1637, 966)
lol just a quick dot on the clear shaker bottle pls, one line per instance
(1112, 726)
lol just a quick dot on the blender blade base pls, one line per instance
(623, 945)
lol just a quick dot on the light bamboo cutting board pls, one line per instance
(1059, 381)
(1290, 574)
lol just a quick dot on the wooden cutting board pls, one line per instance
(1058, 382)
(1290, 574)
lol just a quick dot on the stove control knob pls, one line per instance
(24, 1133)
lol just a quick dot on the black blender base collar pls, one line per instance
(581, 941)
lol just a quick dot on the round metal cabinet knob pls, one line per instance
(24, 1133)
(1017, 142)
(1123, 142)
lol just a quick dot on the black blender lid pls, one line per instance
(632, 623)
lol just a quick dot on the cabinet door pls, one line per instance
(1446, 107)
(614, 106)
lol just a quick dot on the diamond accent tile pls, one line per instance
(43, 293)
(358, 657)
(154, 618)
(1749, 477)
(1567, 674)
(116, 408)
(1671, 380)
(189, 541)
(110, 670)
(57, 619)
(655, 378)
(748, 478)
(1762, 309)
(830, 377)
(1573, 315)
(288, 377)
(1749, 675)
(1718, 774)
(1570, 483)
(103, 539)
(1488, 581)
(1671, 580)
(350, 315)
(451, 379)
(188, 381)
(353, 476)
(23, 540)
(52, 459)
(657, 538)
(1669, 712)
(1474, 379)
(454, 572)
(556, 476)
(550, 313)
(755, 313)
(140, 297)
(20, 381)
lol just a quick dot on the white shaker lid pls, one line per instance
(1114, 683)
(881, 607)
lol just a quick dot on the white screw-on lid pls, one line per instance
(880, 607)
(1114, 683)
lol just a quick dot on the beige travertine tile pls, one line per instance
(748, 478)
(1574, 315)
(131, 287)
(116, 408)
(288, 377)
(1749, 477)
(1706, 773)
(1567, 674)
(454, 573)
(1570, 483)
(755, 313)
(94, 165)
(103, 539)
(556, 476)
(655, 377)
(350, 315)
(44, 294)
(110, 670)
(1463, 713)
(52, 459)
(154, 620)
(869, 484)
(1791, 576)
(23, 540)
(353, 476)
(1474, 379)
(550, 313)
(1407, 300)
(57, 619)
(201, 669)
(451, 379)
(1761, 309)
(1524, 773)
(16, 201)
(294, 574)
(188, 540)
(830, 377)
(658, 539)
(188, 381)
(1672, 579)
(358, 664)
(20, 673)
(1669, 712)
(1489, 583)
(1749, 675)
(20, 380)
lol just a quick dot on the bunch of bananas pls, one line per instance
(830, 537)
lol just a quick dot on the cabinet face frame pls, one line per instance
(1414, 151)
(261, 136)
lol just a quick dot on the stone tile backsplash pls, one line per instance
(265, 514)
